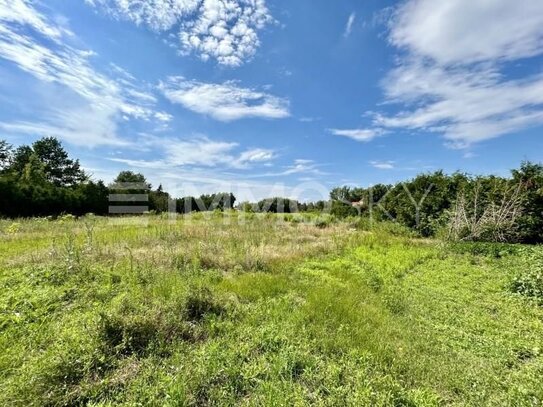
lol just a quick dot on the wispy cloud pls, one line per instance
(383, 165)
(226, 30)
(97, 101)
(226, 101)
(198, 152)
(363, 135)
(255, 155)
(299, 166)
(453, 80)
(22, 13)
(349, 26)
(466, 106)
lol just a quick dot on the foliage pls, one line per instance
(42, 180)
(530, 175)
(221, 201)
(475, 208)
(529, 280)
(48, 157)
(278, 205)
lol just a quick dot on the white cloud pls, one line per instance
(256, 155)
(349, 26)
(383, 165)
(92, 102)
(163, 117)
(226, 30)
(465, 106)
(88, 127)
(465, 31)
(21, 13)
(157, 14)
(452, 78)
(202, 152)
(224, 102)
(199, 152)
(299, 166)
(364, 135)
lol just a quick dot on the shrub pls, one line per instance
(529, 282)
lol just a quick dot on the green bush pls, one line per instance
(529, 281)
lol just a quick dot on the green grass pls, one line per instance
(223, 310)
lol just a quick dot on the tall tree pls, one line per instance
(59, 168)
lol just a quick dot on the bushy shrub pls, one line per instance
(529, 281)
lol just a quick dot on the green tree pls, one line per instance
(130, 177)
(159, 200)
(34, 171)
(187, 204)
(21, 157)
(58, 167)
(531, 223)
(134, 187)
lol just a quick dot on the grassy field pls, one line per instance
(223, 310)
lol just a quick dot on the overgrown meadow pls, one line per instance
(263, 309)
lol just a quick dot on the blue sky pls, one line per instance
(283, 97)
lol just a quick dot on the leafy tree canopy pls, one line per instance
(137, 180)
(58, 167)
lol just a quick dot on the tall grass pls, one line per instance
(229, 309)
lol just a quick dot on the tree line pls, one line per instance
(42, 180)
(460, 206)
